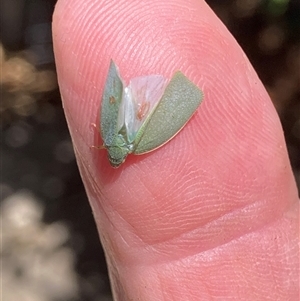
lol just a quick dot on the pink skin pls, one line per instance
(213, 214)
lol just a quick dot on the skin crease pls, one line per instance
(213, 214)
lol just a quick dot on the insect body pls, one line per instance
(146, 114)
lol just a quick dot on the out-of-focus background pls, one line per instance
(50, 247)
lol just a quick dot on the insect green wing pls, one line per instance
(113, 140)
(111, 101)
(177, 105)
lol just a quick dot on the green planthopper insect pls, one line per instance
(146, 114)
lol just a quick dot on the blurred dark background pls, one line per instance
(50, 246)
